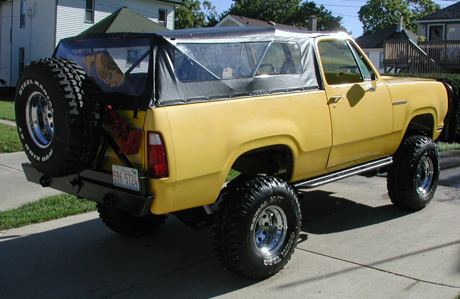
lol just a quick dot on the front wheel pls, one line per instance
(413, 178)
(257, 228)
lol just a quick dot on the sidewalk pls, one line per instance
(15, 189)
(7, 122)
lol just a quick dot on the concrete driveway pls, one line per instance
(354, 244)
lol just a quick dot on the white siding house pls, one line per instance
(31, 29)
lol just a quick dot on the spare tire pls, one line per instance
(57, 116)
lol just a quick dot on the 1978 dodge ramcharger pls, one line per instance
(152, 124)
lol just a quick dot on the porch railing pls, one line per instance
(405, 55)
(443, 52)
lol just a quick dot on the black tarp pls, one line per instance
(172, 91)
(165, 85)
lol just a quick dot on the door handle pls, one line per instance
(336, 99)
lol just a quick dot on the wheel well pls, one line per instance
(273, 160)
(421, 125)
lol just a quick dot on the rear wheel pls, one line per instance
(413, 177)
(57, 116)
(127, 224)
(257, 228)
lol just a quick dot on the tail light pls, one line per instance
(157, 160)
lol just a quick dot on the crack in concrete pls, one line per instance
(372, 266)
(9, 167)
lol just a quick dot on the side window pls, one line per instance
(188, 70)
(251, 53)
(342, 63)
(281, 58)
(22, 56)
(89, 11)
(22, 14)
(205, 62)
(363, 66)
(163, 17)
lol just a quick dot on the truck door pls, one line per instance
(359, 103)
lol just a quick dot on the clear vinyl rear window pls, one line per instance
(116, 65)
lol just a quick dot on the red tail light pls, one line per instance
(157, 160)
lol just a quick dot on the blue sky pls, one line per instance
(348, 9)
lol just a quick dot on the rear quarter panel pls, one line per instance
(203, 141)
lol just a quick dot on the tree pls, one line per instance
(379, 14)
(326, 21)
(190, 14)
(290, 12)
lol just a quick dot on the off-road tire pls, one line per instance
(127, 224)
(257, 227)
(57, 116)
(223, 202)
(413, 178)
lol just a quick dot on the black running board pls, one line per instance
(342, 174)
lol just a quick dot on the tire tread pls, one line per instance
(400, 181)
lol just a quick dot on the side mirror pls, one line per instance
(373, 86)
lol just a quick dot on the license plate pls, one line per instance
(125, 177)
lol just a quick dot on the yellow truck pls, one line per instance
(152, 124)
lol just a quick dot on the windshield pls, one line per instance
(117, 65)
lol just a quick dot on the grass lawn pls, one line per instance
(9, 139)
(45, 209)
(444, 146)
(7, 110)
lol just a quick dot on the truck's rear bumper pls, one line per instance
(96, 186)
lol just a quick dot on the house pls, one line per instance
(373, 43)
(240, 21)
(441, 25)
(441, 32)
(31, 29)
(124, 20)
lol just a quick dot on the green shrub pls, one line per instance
(454, 81)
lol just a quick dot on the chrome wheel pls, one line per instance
(40, 119)
(425, 175)
(271, 230)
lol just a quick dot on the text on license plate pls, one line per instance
(125, 177)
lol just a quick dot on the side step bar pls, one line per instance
(342, 174)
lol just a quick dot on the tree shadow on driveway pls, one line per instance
(325, 213)
(87, 260)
